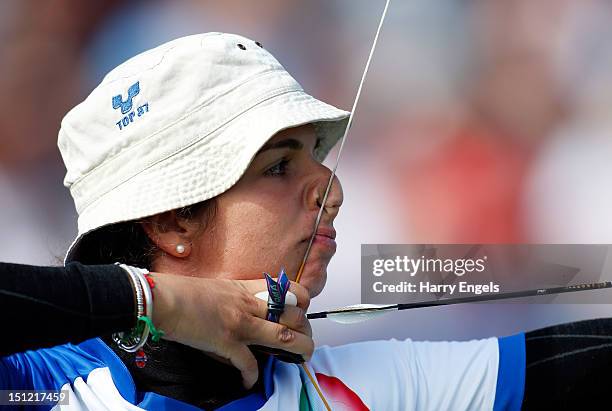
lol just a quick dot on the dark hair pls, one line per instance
(128, 243)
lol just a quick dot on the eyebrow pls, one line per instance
(291, 143)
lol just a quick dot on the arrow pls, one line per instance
(363, 312)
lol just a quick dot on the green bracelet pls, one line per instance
(155, 333)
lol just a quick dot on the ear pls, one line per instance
(171, 233)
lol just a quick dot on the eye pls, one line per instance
(278, 169)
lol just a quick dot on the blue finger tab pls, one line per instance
(277, 291)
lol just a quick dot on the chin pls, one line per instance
(314, 280)
(314, 276)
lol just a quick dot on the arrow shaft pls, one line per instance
(470, 299)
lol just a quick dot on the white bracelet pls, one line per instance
(139, 273)
(140, 299)
(127, 341)
(148, 294)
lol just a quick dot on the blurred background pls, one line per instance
(481, 121)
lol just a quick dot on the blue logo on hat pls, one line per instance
(129, 115)
(126, 105)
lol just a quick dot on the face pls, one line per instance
(265, 221)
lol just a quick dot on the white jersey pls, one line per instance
(474, 375)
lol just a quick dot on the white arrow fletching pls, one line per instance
(353, 314)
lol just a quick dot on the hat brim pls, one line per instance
(212, 165)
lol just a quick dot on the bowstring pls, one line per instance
(342, 142)
(331, 180)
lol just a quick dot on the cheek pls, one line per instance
(249, 238)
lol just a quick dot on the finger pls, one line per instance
(258, 308)
(242, 358)
(302, 294)
(280, 336)
(290, 298)
(247, 302)
(255, 286)
(295, 318)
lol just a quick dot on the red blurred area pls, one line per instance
(466, 191)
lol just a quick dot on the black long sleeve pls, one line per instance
(46, 306)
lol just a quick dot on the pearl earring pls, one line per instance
(180, 248)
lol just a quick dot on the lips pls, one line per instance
(326, 237)
(328, 232)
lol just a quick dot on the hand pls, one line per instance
(223, 317)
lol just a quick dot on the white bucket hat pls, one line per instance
(179, 124)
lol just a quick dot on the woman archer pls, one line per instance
(202, 157)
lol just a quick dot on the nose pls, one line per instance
(316, 194)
